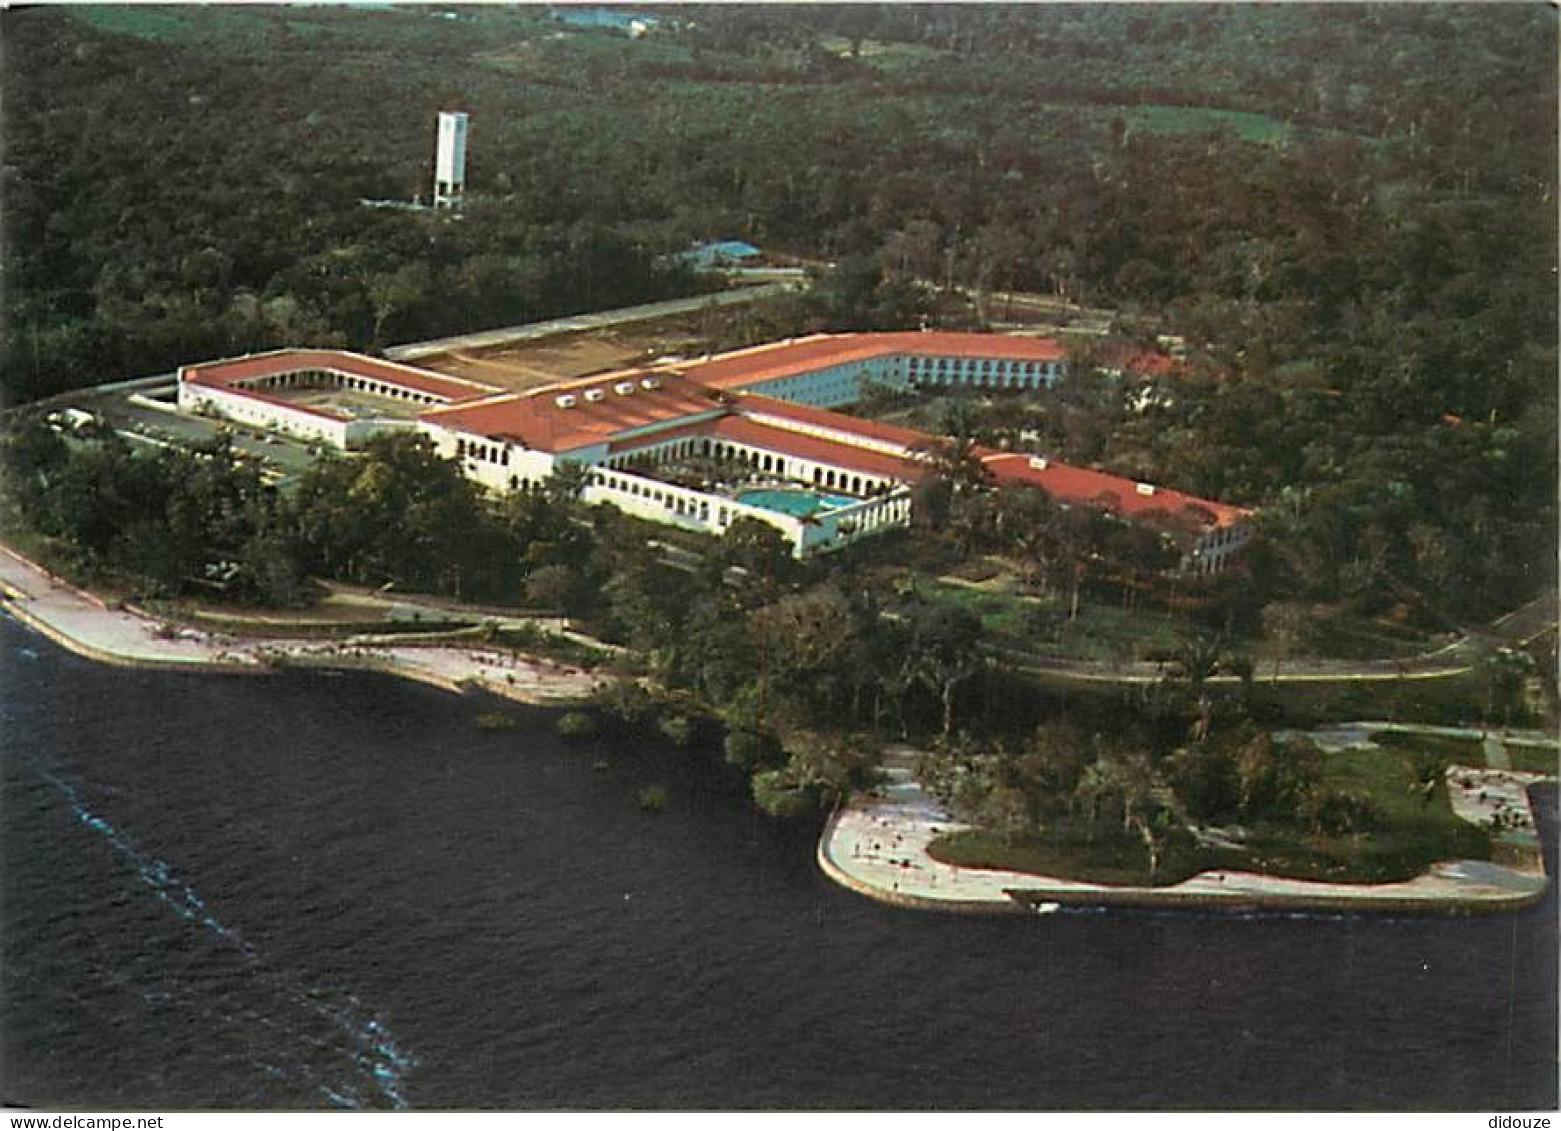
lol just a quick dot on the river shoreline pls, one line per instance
(876, 846)
(84, 624)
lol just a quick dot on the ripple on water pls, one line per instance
(303, 892)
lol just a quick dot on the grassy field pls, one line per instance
(1443, 700)
(1100, 633)
(262, 27)
(1535, 759)
(888, 57)
(1471, 751)
(1414, 832)
(1453, 751)
(1203, 119)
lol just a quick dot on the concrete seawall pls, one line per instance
(896, 898)
(115, 659)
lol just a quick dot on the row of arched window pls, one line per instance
(330, 379)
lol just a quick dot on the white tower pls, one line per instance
(450, 160)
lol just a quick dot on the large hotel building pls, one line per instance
(700, 444)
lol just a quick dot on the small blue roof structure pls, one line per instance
(720, 254)
(602, 17)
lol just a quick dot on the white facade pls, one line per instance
(708, 513)
(450, 160)
(244, 408)
(1210, 553)
(760, 444)
(499, 465)
(835, 386)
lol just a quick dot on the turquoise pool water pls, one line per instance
(794, 501)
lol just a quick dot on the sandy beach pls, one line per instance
(83, 623)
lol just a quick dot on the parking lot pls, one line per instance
(280, 459)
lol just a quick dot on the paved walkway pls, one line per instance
(877, 846)
(82, 623)
(1341, 736)
(487, 339)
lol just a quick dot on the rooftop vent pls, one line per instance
(1145, 488)
(650, 382)
(568, 400)
(1038, 463)
(623, 388)
(594, 395)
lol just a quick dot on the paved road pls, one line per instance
(1516, 627)
(1522, 625)
(487, 339)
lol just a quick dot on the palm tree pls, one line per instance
(1143, 809)
(568, 481)
(1198, 658)
(956, 455)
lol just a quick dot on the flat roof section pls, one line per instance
(237, 371)
(787, 443)
(807, 415)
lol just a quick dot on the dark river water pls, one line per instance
(335, 891)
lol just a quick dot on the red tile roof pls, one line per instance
(1079, 485)
(998, 347)
(1126, 358)
(1149, 364)
(697, 406)
(780, 359)
(540, 422)
(236, 371)
(806, 355)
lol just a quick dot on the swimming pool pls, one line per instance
(796, 501)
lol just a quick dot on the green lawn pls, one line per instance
(1535, 759)
(261, 28)
(888, 57)
(1414, 833)
(174, 23)
(1100, 633)
(1443, 700)
(1109, 858)
(1202, 119)
(1454, 751)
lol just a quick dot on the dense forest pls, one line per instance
(1349, 210)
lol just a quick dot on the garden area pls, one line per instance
(1366, 816)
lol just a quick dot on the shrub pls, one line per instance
(747, 749)
(625, 701)
(654, 798)
(576, 724)
(496, 720)
(775, 792)
(677, 729)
